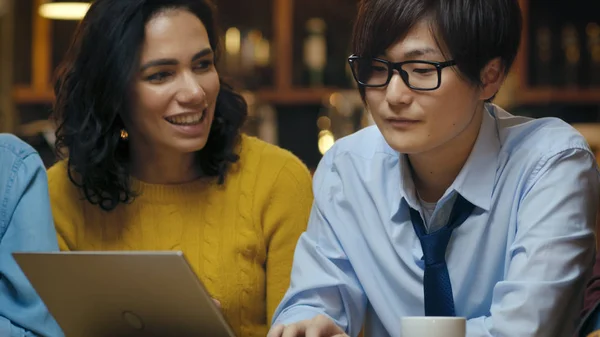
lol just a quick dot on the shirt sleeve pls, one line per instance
(552, 253)
(25, 225)
(323, 280)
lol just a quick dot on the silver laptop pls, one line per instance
(113, 294)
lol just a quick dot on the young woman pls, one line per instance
(156, 160)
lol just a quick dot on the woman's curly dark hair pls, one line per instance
(93, 89)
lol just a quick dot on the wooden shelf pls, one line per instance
(36, 128)
(28, 95)
(543, 95)
(39, 91)
(558, 95)
(296, 96)
(283, 92)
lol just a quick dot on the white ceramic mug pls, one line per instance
(417, 326)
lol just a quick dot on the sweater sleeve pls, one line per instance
(284, 219)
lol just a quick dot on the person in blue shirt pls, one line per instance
(25, 225)
(449, 205)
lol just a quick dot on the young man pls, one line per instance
(25, 225)
(450, 206)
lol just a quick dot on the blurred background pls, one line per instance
(288, 57)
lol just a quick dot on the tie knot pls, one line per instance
(434, 246)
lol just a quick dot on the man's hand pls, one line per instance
(319, 326)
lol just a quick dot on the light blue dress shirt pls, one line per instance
(518, 264)
(25, 225)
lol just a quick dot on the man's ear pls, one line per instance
(492, 77)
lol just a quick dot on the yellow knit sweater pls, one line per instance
(239, 237)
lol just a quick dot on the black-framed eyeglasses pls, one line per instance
(418, 75)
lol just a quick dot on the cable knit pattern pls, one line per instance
(239, 237)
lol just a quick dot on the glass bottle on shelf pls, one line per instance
(246, 50)
(343, 114)
(261, 121)
(572, 55)
(593, 45)
(3, 7)
(247, 57)
(233, 42)
(543, 56)
(255, 57)
(315, 51)
(267, 128)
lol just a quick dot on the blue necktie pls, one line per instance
(436, 281)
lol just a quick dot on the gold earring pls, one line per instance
(124, 134)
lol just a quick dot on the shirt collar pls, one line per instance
(476, 180)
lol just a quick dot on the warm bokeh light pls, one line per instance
(324, 123)
(326, 140)
(232, 41)
(335, 100)
(64, 10)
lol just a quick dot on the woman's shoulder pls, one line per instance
(60, 185)
(265, 156)
(57, 173)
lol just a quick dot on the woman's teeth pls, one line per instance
(187, 119)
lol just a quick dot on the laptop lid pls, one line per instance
(124, 293)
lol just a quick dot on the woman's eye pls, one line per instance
(158, 77)
(202, 65)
